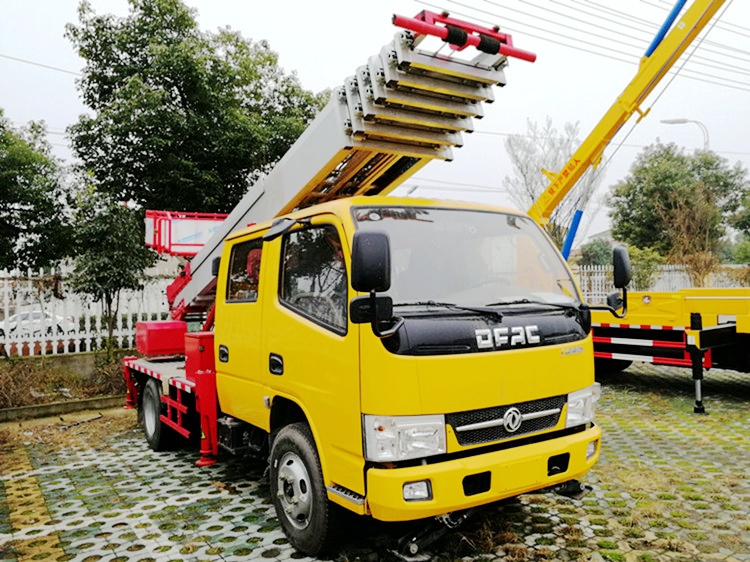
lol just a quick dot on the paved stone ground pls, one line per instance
(670, 485)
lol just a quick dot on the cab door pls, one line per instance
(310, 348)
(237, 335)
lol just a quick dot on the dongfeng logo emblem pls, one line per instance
(502, 337)
(512, 420)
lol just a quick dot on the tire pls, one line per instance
(158, 436)
(306, 515)
(604, 367)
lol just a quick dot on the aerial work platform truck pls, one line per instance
(398, 358)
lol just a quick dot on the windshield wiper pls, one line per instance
(452, 306)
(530, 301)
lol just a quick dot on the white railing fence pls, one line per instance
(596, 280)
(39, 314)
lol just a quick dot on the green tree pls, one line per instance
(677, 204)
(596, 252)
(741, 252)
(740, 255)
(182, 119)
(741, 220)
(34, 224)
(646, 263)
(110, 254)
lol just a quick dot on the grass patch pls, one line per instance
(26, 381)
(516, 553)
(634, 533)
(730, 507)
(545, 541)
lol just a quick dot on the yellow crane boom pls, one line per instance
(652, 68)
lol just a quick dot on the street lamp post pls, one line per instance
(682, 121)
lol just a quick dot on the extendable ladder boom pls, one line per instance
(404, 108)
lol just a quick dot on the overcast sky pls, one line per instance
(588, 51)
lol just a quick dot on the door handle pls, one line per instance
(276, 364)
(223, 353)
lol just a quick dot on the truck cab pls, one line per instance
(484, 390)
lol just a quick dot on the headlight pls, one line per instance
(581, 405)
(397, 438)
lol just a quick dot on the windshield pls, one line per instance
(468, 258)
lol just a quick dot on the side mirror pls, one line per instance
(371, 262)
(371, 273)
(622, 276)
(215, 266)
(360, 309)
(621, 263)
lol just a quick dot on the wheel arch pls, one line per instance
(140, 379)
(285, 411)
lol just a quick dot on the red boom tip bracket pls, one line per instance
(460, 34)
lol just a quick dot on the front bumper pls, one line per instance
(511, 471)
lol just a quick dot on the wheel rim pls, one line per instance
(149, 414)
(293, 490)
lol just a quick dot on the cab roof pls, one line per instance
(341, 207)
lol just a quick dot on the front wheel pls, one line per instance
(299, 495)
(157, 434)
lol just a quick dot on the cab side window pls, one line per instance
(244, 272)
(313, 276)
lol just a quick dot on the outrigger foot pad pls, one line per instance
(572, 489)
(410, 546)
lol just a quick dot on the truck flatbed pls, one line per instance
(166, 369)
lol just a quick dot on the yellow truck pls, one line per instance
(399, 358)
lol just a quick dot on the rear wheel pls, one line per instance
(299, 495)
(157, 434)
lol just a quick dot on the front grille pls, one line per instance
(495, 416)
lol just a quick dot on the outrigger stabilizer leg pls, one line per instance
(697, 369)
(696, 357)
(415, 542)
